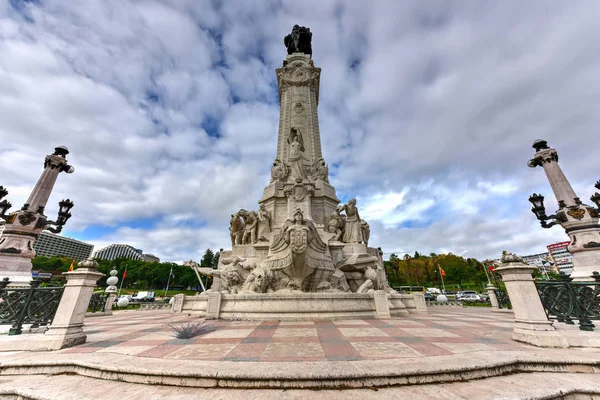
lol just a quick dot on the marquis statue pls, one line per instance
(236, 229)
(299, 41)
(320, 170)
(264, 223)
(352, 228)
(298, 257)
(278, 171)
(296, 156)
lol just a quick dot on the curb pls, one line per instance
(309, 375)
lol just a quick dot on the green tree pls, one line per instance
(208, 259)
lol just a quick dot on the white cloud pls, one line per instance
(427, 114)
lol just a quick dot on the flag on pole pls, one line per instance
(125, 274)
(442, 271)
(72, 265)
(491, 268)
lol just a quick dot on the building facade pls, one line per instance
(542, 260)
(51, 245)
(560, 256)
(115, 251)
(151, 258)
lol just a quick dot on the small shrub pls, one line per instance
(190, 330)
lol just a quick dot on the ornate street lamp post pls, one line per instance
(24, 226)
(580, 221)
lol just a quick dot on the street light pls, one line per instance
(4, 204)
(63, 216)
(537, 200)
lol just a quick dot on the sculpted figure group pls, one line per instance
(295, 167)
(248, 227)
(349, 228)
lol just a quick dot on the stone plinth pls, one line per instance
(531, 323)
(67, 327)
(493, 299)
(303, 306)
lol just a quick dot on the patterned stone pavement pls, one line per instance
(443, 331)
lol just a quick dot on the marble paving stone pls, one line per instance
(104, 343)
(428, 332)
(350, 322)
(129, 350)
(465, 347)
(402, 322)
(429, 349)
(264, 333)
(293, 350)
(501, 324)
(228, 333)
(80, 349)
(156, 336)
(210, 341)
(389, 349)
(348, 332)
(244, 323)
(343, 349)
(283, 323)
(356, 339)
(455, 323)
(160, 351)
(294, 339)
(295, 332)
(200, 351)
(247, 350)
(142, 343)
(256, 340)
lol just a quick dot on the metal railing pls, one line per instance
(27, 305)
(567, 301)
(97, 302)
(503, 299)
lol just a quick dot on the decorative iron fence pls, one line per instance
(503, 299)
(28, 305)
(567, 301)
(97, 302)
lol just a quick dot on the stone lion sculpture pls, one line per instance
(510, 257)
(258, 281)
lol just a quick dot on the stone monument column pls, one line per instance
(579, 220)
(24, 226)
(299, 161)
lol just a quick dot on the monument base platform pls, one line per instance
(300, 306)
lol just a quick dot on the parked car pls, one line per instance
(429, 296)
(449, 292)
(125, 296)
(143, 297)
(471, 298)
(459, 295)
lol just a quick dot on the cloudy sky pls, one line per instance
(428, 111)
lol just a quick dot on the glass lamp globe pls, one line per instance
(123, 302)
(112, 280)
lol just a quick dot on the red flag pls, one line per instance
(491, 268)
(72, 265)
(442, 272)
(125, 274)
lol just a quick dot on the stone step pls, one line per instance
(534, 386)
(305, 375)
